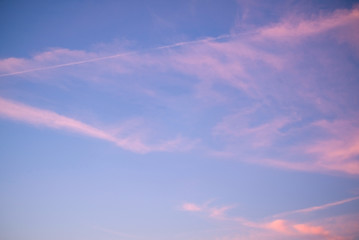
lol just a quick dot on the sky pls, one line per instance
(183, 119)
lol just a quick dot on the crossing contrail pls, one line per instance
(97, 59)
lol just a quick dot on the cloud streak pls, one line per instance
(39, 117)
(237, 73)
(213, 212)
(279, 227)
(98, 59)
(298, 28)
(317, 208)
(283, 30)
(335, 152)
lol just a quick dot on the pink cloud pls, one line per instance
(21, 112)
(299, 28)
(280, 226)
(339, 151)
(346, 226)
(292, 230)
(237, 49)
(233, 61)
(229, 62)
(350, 168)
(310, 230)
(334, 228)
(39, 117)
(213, 212)
(285, 227)
(219, 213)
(334, 151)
(341, 227)
(191, 207)
(206, 59)
(321, 207)
(10, 65)
(59, 58)
(238, 126)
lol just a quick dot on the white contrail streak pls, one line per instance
(97, 59)
(321, 207)
(67, 64)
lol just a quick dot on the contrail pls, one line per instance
(97, 59)
(67, 64)
(316, 208)
(210, 39)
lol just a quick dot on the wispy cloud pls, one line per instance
(294, 27)
(288, 228)
(287, 29)
(317, 208)
(36, 116)
(39, 117)
(11, 63)
(63, 65)
(236, 73)
(239, 126)
(336, 151)
(280, 227)
(191, 207)
(340, 150)
(213, 212)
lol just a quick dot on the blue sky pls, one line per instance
(198, 120)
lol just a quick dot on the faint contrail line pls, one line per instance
(316, 208)
(115, 56)
(67, 64)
